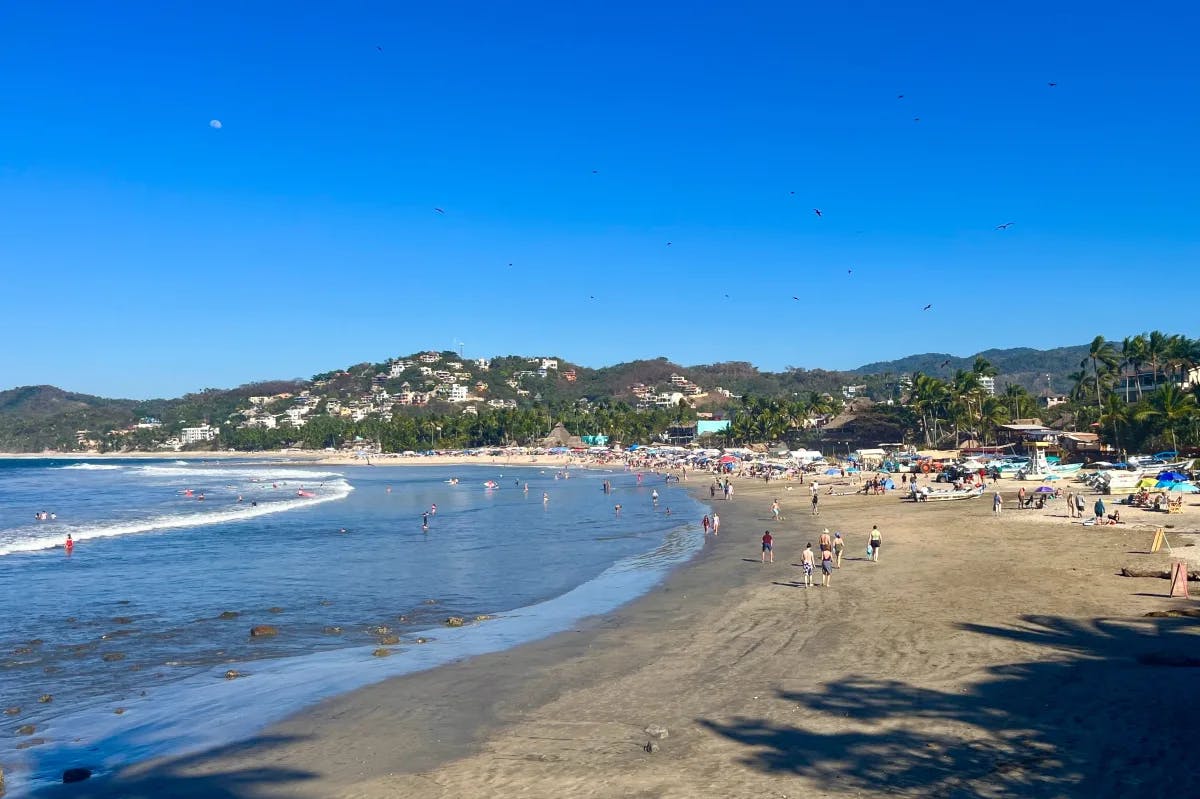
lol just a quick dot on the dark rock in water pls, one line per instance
(389, 640)
(263, 629)
(333, 630)
(381, 630)
(431, 601)
(26, 729)
(651, 747)
(424, 640)
(325, 602)
(232, 674)
(454, 621)
(122, 620)
(482, 617)
(112, 657)
(29, 744)
(228, 614)
(71, 619)
(123, 602)
(12, 711)
(275, 609)
(76, 775)
(36, 642)
(23, 650)
(119, 711)
(381, 652)
(51, 670)
(46, 699)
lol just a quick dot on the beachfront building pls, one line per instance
(1024, 430)
(197, 435)
(264, 422)
(1135, 385)
(668, 399)
(988, 384)
(295, 416)
(1050, 400)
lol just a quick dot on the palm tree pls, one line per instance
(1158, 344)
(1100, 352)
(1117, 414)
(1133, 355)
(1170, 408)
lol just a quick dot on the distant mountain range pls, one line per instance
(36, 418)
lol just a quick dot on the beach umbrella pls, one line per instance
(1172, 476)
(833, 471)
(1043, 490)
(729, 459)
(1183, 488)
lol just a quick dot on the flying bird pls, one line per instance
(595, 171)
(1051, 84)
(849, 271)
(899, 96)
(380, 49)
(1005, 226)
(668, 244)
(916, 119)
(439, 210)
(817, 211)
(797, 299)
(927, 307)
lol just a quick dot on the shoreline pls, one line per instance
(725, 656)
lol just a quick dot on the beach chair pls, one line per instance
(1175, 505)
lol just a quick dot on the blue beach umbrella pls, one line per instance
(1043, 490)
(1172, 476)
(1183, 488)
(833, 471)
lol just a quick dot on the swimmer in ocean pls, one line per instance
(69, 545)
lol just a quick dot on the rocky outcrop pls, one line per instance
(275, 609)
(112, 657)
(260, 630)
(46, 699)
(26, 729)
(382, 652)
(454, 621)
(226, 615)
(389, 640)
(232, 674)
(76, 775)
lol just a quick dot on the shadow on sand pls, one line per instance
(192, 777)
(1109, 710)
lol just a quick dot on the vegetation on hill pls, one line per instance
(439, 400)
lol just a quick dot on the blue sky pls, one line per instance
(146, 253)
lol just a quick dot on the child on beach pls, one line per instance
(768, 551)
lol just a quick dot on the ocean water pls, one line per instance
(131, 621)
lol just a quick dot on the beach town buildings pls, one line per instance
(429, 357)
(1136, 384)
(148, 423)
(264, 422)
(197, 435)
(483, 364)
(569, 375)
(988, 384)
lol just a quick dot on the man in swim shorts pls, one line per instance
(876, 542)
(808, 562)
(768, 550)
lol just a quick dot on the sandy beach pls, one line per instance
(982, 656)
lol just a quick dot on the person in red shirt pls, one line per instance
(768, 550)
(70, 545)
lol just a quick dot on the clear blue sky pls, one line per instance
(147, 253)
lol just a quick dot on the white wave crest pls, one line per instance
(260, 473)
(94, 467)
(51, 536)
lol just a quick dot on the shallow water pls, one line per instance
(154, 569)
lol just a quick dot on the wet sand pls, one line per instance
(983, 656)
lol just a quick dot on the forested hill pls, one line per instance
(34, 418)
(1022, 365)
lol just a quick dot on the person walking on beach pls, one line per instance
(1079, 505)
(838, 546)
(704, 523)
(825, 542)
(815, 500)
(826, 567)
(716, 524)
(712, 491)
(1070, 504)
(807, 562)
(997, 503)
(1099, 509)
(768, 544)
(775, 510)
(876, 542)
(1021, 497)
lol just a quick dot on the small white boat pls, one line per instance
(942, 496)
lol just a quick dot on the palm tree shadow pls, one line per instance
(1087, 717)
(189, 777)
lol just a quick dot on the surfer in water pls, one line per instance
(425, 521)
